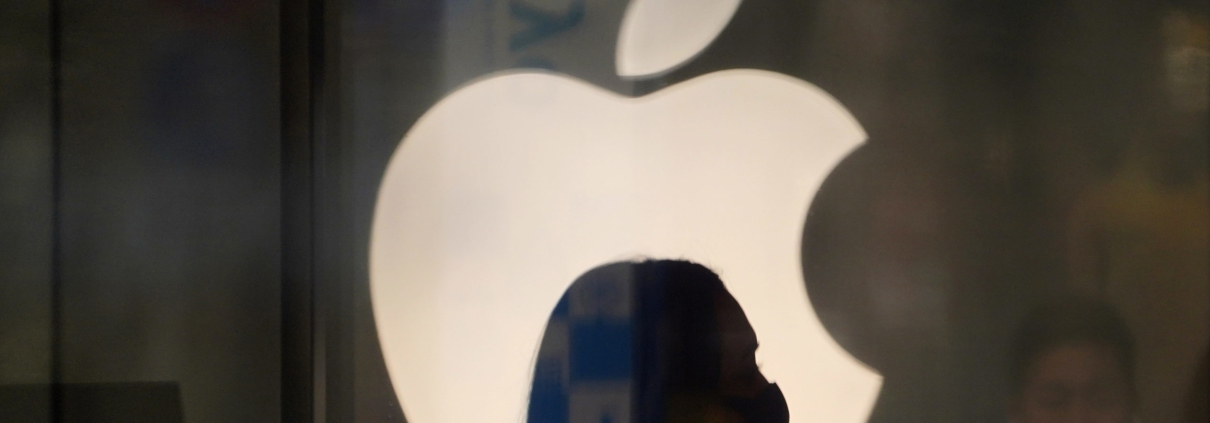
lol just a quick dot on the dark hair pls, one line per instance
(674, 347)
(678, 329)
(1066, 321)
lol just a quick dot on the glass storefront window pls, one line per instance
(587, 211)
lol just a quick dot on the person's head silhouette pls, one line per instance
(657, 341)
(1073, 361)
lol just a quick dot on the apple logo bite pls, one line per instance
(511, 187)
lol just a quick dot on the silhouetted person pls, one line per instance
(1073, 362)
(656, 341)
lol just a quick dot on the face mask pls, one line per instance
(768, 407)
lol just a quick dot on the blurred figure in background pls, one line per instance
(1072, 361)
(1138, 235)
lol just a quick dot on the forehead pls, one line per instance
(1076, 364)
(731, 317)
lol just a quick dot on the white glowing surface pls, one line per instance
(511, 187)
(658, 35)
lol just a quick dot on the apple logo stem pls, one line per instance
(512, 186)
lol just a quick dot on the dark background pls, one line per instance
(186, 186)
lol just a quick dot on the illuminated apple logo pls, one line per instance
(513, 186)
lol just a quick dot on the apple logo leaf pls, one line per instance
(657, 36)
(513, 185)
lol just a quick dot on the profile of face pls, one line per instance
(1073, 364)
(742, 394)
(1075, 383)
(658, 341)
(739, 374)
